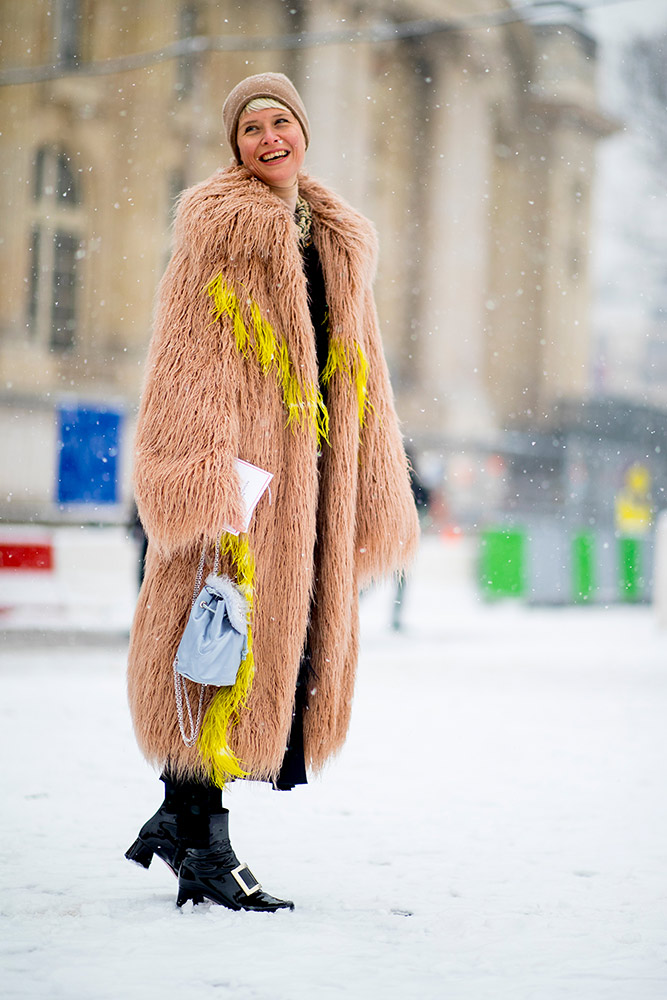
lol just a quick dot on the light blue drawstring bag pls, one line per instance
(215, 639)
(213, 645)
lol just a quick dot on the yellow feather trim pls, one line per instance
(361, 381)
(337, 361)
(305, 405)
(353, 365)
(265, 340)
(226, 303)
(223, 712)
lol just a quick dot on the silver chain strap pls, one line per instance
(180, 688)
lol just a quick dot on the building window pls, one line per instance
(55, 250)
(63, 311)
(38, 181)
(53, 177)
(68, 32)
(33, 277)
(65, 181)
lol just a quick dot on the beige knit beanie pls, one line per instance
(262, 85)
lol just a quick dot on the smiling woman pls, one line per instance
(266, 348)
(272, 146)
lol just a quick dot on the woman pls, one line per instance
(266, 348)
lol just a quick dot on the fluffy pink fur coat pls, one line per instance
(332, 525)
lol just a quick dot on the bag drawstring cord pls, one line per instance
(180, 688)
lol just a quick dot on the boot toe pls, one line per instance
(200, 877)
(262, 901)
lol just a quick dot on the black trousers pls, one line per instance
(293, 770)
(194, 801)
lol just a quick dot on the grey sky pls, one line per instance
(612, 21)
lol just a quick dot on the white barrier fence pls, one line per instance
(69, 577)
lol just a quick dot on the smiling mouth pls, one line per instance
(277, 154)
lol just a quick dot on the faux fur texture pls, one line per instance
(334, 523)
(236, 603)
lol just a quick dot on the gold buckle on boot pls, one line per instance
(249, 884)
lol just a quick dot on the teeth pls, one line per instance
(274, 156)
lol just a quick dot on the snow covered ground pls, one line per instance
(496, 826)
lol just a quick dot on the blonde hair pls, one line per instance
(259, 103)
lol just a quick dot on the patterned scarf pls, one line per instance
(303, 220)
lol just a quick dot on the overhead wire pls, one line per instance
(367, 34)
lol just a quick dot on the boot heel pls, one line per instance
(140, 853)
(184, 895)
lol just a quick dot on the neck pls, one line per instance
(287, 194)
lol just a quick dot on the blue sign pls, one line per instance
(88, 462)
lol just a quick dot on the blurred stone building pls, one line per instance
(468, 136)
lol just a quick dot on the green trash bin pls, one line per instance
(631, 584)
(502, 563)
(583, 567)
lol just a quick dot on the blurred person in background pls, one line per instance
(266, 348)
(422, 495)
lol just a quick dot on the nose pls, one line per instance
(270, 136)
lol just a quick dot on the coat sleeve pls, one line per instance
(387, 527)
(188, 425)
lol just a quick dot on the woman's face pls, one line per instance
(272, 145)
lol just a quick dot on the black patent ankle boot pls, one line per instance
(214, 873)
(159, 835)
(180, 822)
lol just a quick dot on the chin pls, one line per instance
(279, 180)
